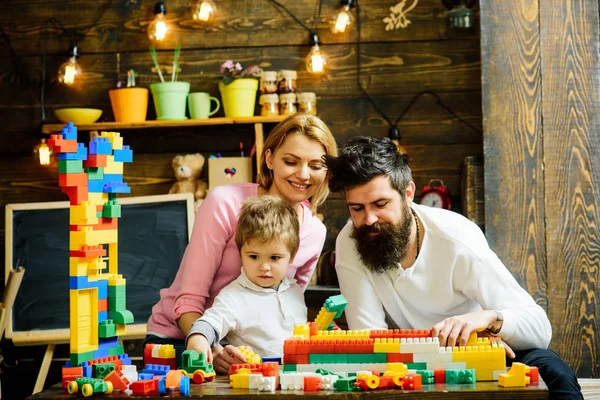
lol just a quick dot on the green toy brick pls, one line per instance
(289, 368)
(100, 371)
(427, 376)
(417, 366)
(111, 209)
(77, 358)
(336, 304)
(345, 384)
(117, 291)
(121, 316)
(116, 351)
(70, 166)
(94, 173)
(107, 329)
(460, 376)
(117, 303)
(316, 358)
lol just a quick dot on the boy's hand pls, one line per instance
(199, 343)
(225, 357)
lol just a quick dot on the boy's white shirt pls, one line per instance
(250, 315)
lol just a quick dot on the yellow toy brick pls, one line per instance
(83, 214)
(83, 320)
(396, 367)
(113, 167)
(515, 377)
(251, 357)
(115, 138)
(239, 381)
(386, 345)
(301, 331)
(324, 319)
(166, 351)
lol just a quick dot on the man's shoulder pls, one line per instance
(451, 225)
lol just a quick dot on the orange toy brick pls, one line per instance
(73, 179)
(76, 194)
(118, 380)
(412, 382)
(533, 375)
(95, 160)
(145, 387)
(69, 374)
(312, 383)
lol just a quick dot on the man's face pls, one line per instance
(382, 223)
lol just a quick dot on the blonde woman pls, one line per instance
(293, 169)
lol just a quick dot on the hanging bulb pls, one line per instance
(205, 10)
(316, 61)
(69, 71)
(158, 28)
(344, 18)
(42, 152)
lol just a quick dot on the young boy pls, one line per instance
(260, 308)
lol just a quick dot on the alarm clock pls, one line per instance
(435, 194)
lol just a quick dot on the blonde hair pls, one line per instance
(302, 124)
(265, 218)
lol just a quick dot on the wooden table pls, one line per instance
(220, 389)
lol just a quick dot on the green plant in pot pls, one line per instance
(169, 97)
(238, 88)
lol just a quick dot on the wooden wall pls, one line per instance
(396, 65)
(541, 80)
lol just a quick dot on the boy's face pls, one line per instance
(265, 263)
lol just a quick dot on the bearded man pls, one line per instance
(403, 265)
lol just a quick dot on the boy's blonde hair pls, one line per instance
(265, 218)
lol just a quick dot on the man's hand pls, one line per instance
(455, 331)
(509, 352)
(199, 343)
(224, 357)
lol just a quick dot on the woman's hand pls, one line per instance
(199, 343)
(225, 357)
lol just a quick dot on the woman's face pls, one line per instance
(298, 168)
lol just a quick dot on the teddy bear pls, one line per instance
(187, 169)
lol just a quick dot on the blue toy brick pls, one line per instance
(272, 359)
(81, 154)
(162, 386)
(109, 178)
(102, 315)
(80, 282)
(156, 369)
(102, 289)
(184, 386)
(95, 185)
(100, 146)
(125, 360)
(109, 342)
(116, 187)
(101, 353)
(124, 155)
(69, 131)
(87, 369)
(143, 376)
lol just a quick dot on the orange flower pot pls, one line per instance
(129, 104)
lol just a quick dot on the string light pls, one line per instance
(204, 10)
(158, 28)
(69, 71)
(316, 61)
(343, 19)
(42, 152)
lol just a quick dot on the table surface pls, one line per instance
(220, 389)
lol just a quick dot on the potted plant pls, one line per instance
(169, 97)
(238, 88)
(129, 104)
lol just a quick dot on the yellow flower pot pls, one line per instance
(239, 97)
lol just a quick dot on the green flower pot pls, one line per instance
(170, 99)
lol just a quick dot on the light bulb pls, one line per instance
(341, 20)
(158, 28)
(204, 10)
(316, 61)
(42, 152)
(69, 72)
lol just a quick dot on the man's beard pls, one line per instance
(382, 253)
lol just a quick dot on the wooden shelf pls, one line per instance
(108, 126)
(322, 288)
(119, 126)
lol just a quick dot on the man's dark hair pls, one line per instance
(364, 158)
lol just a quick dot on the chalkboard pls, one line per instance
(153, 234)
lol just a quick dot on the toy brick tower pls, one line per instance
(91, 178)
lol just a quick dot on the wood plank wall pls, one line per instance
(396, 65)
(540, 74)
